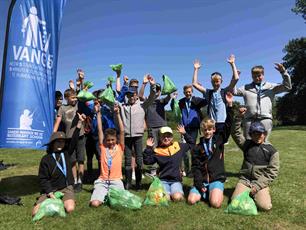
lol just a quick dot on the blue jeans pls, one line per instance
(173, 187)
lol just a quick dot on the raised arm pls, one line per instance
(80, 80)
(143, 86)
(195, 83)
(151, 97)
(123, 90)
(58, 119)
(235, 78)
(97, 110)
(286, 84)
(229, 116)
(190, 142)
(148, 153)
(118, 85)
(120, 124)
(236, 130)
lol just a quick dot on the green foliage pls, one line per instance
(300, 8)
(291, 108)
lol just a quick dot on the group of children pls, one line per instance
(116, 132)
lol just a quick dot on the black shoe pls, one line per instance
(77, 187)
(128, 186)
(190, 174)
(138, 186)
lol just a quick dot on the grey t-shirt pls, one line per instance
(70, 119)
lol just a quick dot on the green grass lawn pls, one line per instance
(288, 196)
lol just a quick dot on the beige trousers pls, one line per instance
(262, 198)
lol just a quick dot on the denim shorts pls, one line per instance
(209, 186)
(173, 187)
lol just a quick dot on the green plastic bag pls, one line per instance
(169, 86)
(110, 79)
(88, 84)
(242, 204)
(121, 199)
(84, 96)
(156, 194)
(51, 207)
(107, 96)
(117, 67)
(176, 111)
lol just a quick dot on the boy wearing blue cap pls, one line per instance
(133, 117)
(260, 164)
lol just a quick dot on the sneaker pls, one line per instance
(152, 172)
(133, 175)
(77, 187)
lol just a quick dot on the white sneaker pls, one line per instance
(133, 176)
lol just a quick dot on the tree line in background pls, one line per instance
(291, 108)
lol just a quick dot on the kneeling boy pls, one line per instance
(208, 161)
(55, 170)
(111, 159)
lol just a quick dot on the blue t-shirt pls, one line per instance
(217, 110)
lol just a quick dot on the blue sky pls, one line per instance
(164, 37)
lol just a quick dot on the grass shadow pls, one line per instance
(228, 193)
(19, 185)
(231, 174)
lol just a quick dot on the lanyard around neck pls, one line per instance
(188, 102)
(63, 169)
(109, 158)
(207, 148)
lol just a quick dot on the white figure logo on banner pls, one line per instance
(31, 30)
(26, 120)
